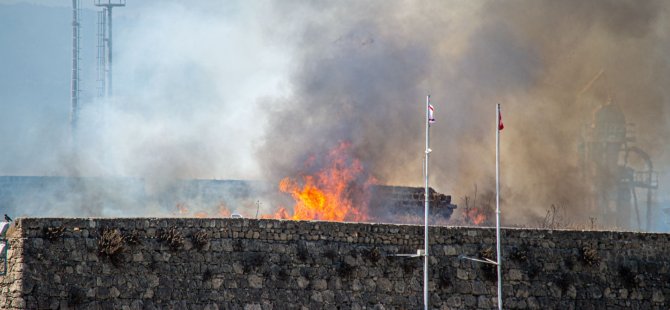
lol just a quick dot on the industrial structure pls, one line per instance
(616, 170)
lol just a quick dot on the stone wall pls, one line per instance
(271, 264)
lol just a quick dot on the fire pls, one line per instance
(182, 210)
(475, 216)
(337, 192)
(201, 214)
(223, 210)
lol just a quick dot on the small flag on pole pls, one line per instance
(431, 118)
(500, 123)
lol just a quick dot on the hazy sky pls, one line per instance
(187, 77)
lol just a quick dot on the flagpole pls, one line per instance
(426, 201)
(499, 261)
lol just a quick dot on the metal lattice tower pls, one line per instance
(74, 86)
(105, 45)
(101, 58)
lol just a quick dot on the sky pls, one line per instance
(254, 89)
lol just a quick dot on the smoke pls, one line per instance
(186, 81)
(251, 90)
(363, 69)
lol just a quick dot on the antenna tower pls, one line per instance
(105, 45)
(101, 65)
(74, 86)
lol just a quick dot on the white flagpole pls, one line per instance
(499, 261)
(426, 200)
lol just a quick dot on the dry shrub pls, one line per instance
(172, 237)
(487, 253)
(132, 238)
(53, 233)
(519, 254)
(372, 255)
(200, 239)
(590, 256)
(110, 244)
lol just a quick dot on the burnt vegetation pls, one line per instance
(555, 217)
(200, 239)
(519, 254)
(53, 233)
(372, 255)
(172, 237)
(110, 245)
(478, 210)
(487, 253)
(488, 271)
(132, 238)
(590, 256)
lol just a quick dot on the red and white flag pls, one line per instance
(500, 123)
(431, 118)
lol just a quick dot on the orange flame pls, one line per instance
(332, 194)
(201, 214)
(475, 216)
(223, 210)
(181, 209)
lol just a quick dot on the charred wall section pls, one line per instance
(151, 263)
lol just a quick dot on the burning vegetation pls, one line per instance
(338, 191)
(333, 187)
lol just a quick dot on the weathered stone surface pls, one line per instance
(271, 264)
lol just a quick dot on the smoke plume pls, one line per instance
(362, 71)
(252, 90)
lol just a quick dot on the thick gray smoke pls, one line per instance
(364, 69)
